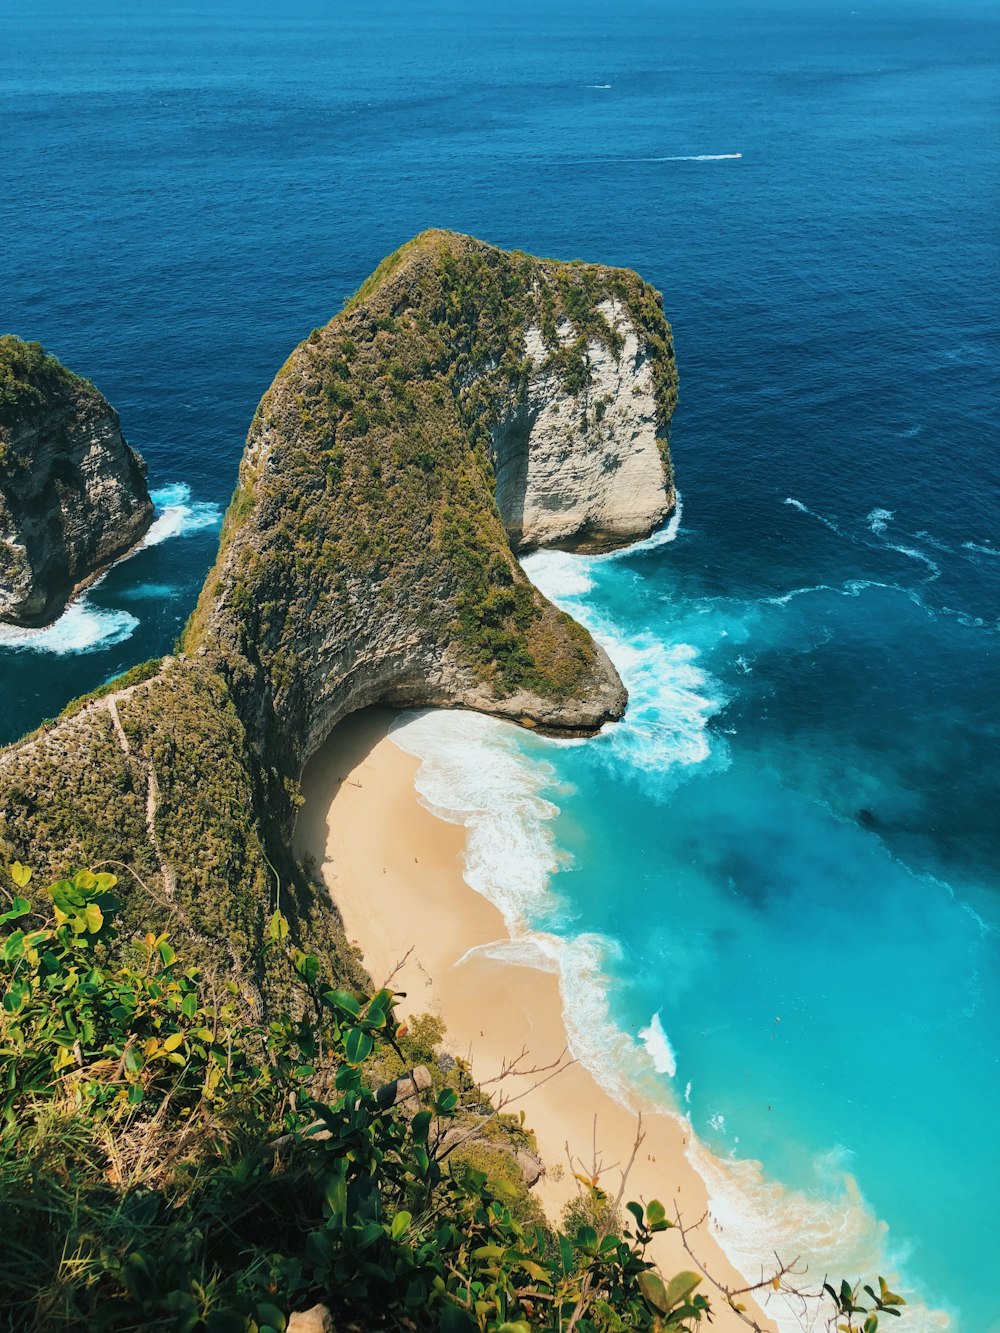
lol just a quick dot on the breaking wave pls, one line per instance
(177, 514)
(82, 628)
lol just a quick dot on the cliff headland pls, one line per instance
(466, 404)
(73, 495)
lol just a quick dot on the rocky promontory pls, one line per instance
(468, 403)
(73, 494)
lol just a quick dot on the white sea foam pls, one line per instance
(82, 628)
(472, 773)
(85, 628)
(149, 592)
(878, 519)
(980, 548)
(658, 1045)
(922, 557)
(820, 518)
(177, 514)
(661, 537)
(671, 699)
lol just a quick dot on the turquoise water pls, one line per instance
(798, 819)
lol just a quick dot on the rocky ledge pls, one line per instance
(73, 494)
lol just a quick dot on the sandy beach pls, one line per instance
(396, 873)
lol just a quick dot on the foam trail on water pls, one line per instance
(980, 548)
(878, 519)
(82, 628)
(149, 592)
(700, 157)
(804, 509)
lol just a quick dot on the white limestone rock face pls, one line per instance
(585, 470)
(73, 498)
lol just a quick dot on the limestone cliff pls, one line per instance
(466, 402)
(73, 494)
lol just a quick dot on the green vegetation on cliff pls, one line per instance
(368, 471)
(30, 378)
(154, 773)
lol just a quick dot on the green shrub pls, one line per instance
(167, 1162)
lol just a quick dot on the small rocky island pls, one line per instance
(468, 403)
(73, 495)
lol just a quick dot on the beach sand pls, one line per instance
(395, 872)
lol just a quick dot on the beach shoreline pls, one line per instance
(395, 872)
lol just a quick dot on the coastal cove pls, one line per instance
(395, 872)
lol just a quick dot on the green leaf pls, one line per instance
(586, 1239)
(307, 966)
(271, 1316)
(488, 1252)
(94, 918)
(189, 1005)
(654, 1291)
(447, 1100)
(19, 874)
(889, 1297)
(399, 1223)
(336, 1192)
(420, 1126)
(343, 1000)
(655, 1212)
(679, 1288)
(167, 955)
(358, 1045)
(277, 927)
(18, 908)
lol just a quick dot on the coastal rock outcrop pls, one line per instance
(468, 402)
(585, 466)
(73, 494)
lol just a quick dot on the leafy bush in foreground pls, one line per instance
(168, 1163)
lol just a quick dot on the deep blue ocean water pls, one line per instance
(790, 851)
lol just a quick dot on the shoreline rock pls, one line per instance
(73, 495)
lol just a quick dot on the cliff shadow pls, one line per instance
(510, 467)
(331, 766)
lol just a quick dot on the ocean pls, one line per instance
(773, 890)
